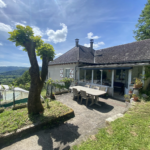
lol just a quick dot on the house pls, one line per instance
(115, 67)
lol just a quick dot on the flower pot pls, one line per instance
(130, 92)
(135, 98)
(137, 86)
(52, 96)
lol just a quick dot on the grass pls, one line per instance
(132, 132)
(11, 120)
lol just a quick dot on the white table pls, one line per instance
(90, 91)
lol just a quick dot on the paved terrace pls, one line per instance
(86, 122)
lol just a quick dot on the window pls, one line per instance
(136, 73)
(97, 77)
(88, 76)
(106, 77)
(67, 73)
(82, 75)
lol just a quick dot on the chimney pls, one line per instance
(91, 43)
(77, 42)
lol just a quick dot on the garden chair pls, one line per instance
(103, 88)
(88, 86)
(96, 87)
(84, 96)
(75, 94)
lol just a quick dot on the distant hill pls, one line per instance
(15, 72)
(11, 68)
(8, 74)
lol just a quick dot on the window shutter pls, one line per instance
(61, 73)
(71, 73)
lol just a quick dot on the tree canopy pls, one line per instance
(34, 45)
(143, 25)
(24, 35)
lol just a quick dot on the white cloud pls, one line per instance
(95, 45)
(1, 44)
(18, 23)
(90, 36)
(23, 21)
(37, 31)
(5, 27)
(58, 35)
(2, 4)
(20, 48)
(59, 54)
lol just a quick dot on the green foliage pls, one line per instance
(143, 25)
(67, 82)
(22, 36)
(138, 81)
(46, 50)
(127, 97)
(25, 78)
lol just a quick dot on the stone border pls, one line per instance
(35, 127)
(113, 118)
(19, 106)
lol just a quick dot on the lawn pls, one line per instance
(132, 132)
(11, 120)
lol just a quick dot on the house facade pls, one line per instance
(115, 67)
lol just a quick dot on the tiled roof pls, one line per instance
(68, 57)
(131, 52)
(86, 54)
(76, 54)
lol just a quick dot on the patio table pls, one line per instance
(90, 91)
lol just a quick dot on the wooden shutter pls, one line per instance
(71, 73)
(61, 73)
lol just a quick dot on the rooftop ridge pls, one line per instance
(123, 44)
(65, 52)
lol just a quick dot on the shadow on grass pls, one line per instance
(51, 136)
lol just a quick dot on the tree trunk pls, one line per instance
(34, 101)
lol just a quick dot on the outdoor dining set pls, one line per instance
(89, 92)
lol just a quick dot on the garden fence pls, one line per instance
(7, 97)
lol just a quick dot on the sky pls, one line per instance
(60, 22)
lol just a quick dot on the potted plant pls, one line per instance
(138, 83)
(127, 98)
(135, 97)
(130, 91)
(53, 96)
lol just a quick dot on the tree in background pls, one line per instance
(143, 25)
(24, 81)
(142, 33)
(33, 45)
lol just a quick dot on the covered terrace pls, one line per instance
(118, 77)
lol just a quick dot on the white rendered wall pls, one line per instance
(54, 71)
